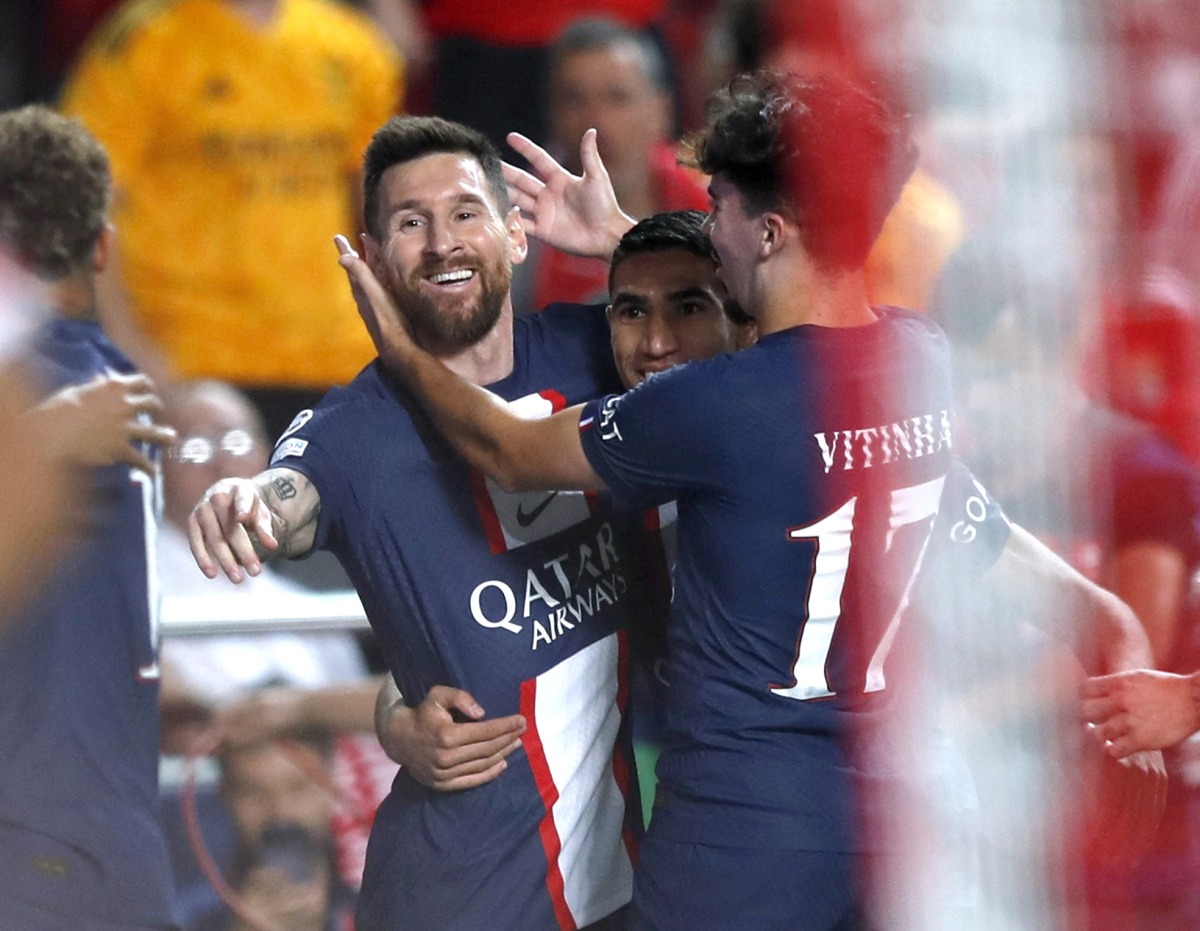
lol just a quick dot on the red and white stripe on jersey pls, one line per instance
(513, 519)
(573, 713)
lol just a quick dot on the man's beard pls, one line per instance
(454, 322)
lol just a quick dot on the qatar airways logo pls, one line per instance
(912, 438)
(558, 595)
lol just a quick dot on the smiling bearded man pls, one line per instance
(520, 600)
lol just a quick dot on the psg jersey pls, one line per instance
(807, 472)
(521, 599)
(79, 832)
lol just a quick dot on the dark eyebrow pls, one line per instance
(685, 293)
(417, 206)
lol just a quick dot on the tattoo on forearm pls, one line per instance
(283, 487)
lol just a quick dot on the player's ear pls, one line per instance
(518, 243)
(774, 229)
(371, 252)
(102, 253)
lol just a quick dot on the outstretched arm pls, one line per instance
(241, 521)
(575, 213)
(517, 452)
(1029, 576)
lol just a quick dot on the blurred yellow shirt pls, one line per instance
(922, 231)
(236, 152)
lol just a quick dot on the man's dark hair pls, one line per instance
(820, 149)
(599, 32)
(668, 231)
(672, 229)
(55, 187)
(406, 138)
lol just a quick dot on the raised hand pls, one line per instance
(98, 422)
(376, 307)
(575, 213)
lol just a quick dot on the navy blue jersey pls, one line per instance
(807, 472)
(79, 833)
(520, 599)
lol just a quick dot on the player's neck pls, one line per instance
(489, 360)
(74, 298)
(797, 294)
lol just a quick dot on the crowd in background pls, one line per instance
(235, 130)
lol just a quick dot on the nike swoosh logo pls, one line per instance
(525, 518)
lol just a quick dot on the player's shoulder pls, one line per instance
(569, 341)
(902, 317)
(566, 318)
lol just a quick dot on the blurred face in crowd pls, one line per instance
(220, 436)
(667, 308)
(607, 88)
(446, 253)
(263, 785)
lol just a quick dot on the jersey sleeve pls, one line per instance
(650, 444)
(971, 529)
(321, 445)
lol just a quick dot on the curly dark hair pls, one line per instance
(824, 150)
(55, 187)
(407, 138)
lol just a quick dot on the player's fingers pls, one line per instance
(498, 750)
(233, 518)
(1096, 686)
(1096, 709)
(589, 156)
(263, 524)
(342, 244)
(199, 550)
(459, 741)
(139, 460)
(1113, 728)
(521, 180)
(471, 780)
(210, 545)
(156, 433)
(457, 700)
(544, 165)
(144, 401)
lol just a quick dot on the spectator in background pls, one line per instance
(80, 841)
(235, 129)
(1112, 498)
(606, 76)
(491, 58)
(857, 41)
(256, 686)
(221, 434)
(284, 869)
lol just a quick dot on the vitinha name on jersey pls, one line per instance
(912, 438)
(558, 595)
